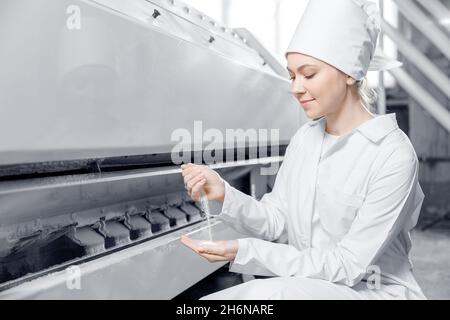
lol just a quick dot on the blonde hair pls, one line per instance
(368, 95)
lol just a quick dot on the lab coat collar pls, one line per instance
(374, 129)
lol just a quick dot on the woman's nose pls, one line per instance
(297, 86)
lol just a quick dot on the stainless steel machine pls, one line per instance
(91, 92)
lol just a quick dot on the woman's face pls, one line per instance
(320, 88)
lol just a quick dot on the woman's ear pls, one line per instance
(350, 81)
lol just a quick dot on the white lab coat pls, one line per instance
(366, 194)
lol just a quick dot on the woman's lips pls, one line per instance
(305, 102)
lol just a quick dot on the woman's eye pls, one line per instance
(310, 77)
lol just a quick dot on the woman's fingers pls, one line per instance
(213, 248)
(201, 246)
(197, 245)
(188, 169)
(213, 251)
(193, 181)
(188, 172)
(185, 165)
(193, 244)
(192, 177)
(192, 174)
(213, 258)
(197, 189)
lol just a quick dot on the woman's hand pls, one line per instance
(198, 177)
(213, 251)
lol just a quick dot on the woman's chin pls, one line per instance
(311, 114)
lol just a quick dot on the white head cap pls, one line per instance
(342, 33)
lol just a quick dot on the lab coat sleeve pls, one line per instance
(262, 219)
(389, 202)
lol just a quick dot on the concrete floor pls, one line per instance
(431, 258)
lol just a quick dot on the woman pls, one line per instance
(347, 193)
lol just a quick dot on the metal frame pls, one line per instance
(381, 101)
(438, 10)
(422, 22)
(416, 57)
(433, 107)
(157, 269)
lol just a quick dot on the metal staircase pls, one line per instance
(428, 26)
(430, 18)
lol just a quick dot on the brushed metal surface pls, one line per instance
(157, 269)
(121, 85)
(43, 199)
